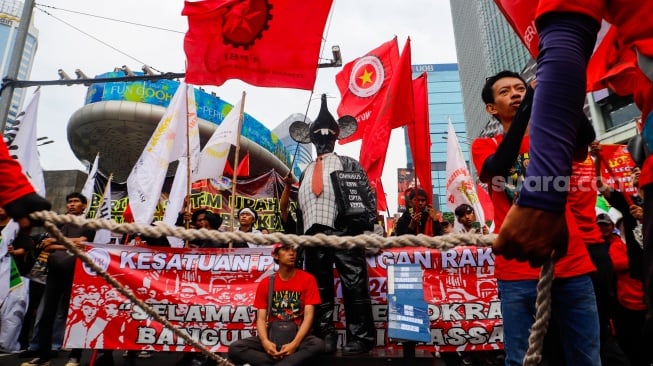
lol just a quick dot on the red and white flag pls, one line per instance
(272, 43)
(396, 105)
(460, 185)
(363, 85)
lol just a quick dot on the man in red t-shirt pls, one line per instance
(567, 31)
(500, 160)
(294, 297)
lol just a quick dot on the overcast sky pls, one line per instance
(357, 26)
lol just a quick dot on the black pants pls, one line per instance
(352, 268)
(35, 294)
(605, 290)
(57, 293)
(250, 350)
(647, 231)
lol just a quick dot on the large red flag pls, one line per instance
(363, 84)
(419, 136)
(397, 105)
(270, 43)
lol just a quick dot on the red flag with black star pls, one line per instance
(363, 85)
(268, 43)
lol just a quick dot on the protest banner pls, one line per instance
(208, 294)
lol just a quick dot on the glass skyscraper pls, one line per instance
(445, 102)
(10, 12)
(302, 154)
(485, 45)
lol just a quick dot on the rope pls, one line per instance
(369, 241)
(533, 355)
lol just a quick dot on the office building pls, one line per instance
(10, 12)
(445, 102)
(302, 154)
(485, 45)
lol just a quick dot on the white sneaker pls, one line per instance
(36, 362)
(144, 354)
(72, 362)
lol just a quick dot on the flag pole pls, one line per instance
(88, 206)
(188, 182)
(235, 174)
(104, 194)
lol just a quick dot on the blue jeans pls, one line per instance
(573, 309)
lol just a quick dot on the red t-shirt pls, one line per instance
(576, 262)
(630, 292)
(582, 200)
(289, 297)
(13, 184)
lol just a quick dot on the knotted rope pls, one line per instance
(368, 241)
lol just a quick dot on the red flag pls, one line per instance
(271, 43)
(521, 16)
(363, 84)
(419, 136)
(127, 214)
(486, 203)
(243, 168)
(614, 62)
(397, 105)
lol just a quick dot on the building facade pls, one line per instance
(302, 154)
(10, 12)
(445, 103)
(485, 45)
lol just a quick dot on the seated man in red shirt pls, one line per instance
(294, 298)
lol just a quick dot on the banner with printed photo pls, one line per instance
(405, 180)
(616, 166)
(208, 293)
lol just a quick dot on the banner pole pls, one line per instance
(188, 182)
(104, 194)
(235, 175)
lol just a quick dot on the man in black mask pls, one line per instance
(319, 212)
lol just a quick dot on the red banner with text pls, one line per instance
(208, 294)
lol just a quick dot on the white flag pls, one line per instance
(103, 236)
(167, 144)
(89, 185)
(460, 185)
(7, 236)
(216, 151)
(176, 201)
(23, 147)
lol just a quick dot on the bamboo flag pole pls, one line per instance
(188, 181)
(235, 175)
(104, 194)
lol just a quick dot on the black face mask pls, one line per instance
(324, 144)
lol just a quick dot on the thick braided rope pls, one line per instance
(343, 242)
(533, 355)
(54, 231)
